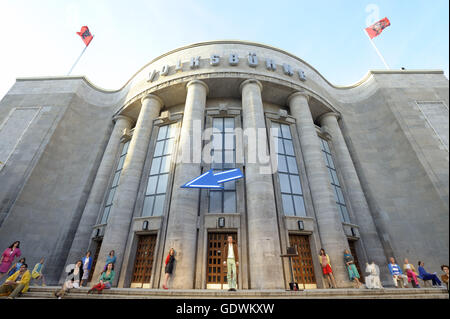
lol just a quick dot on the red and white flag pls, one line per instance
(85, 35)
(376, 28)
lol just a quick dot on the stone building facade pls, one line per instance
(361, 167)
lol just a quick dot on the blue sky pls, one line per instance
(40, 37)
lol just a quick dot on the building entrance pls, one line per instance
(143, 263)
(216, 271)
(302, 264)
(95, 257)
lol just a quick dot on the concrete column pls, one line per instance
(370, 239)
(328, 219)
(118, 227)
(266, 269)
(93, 205)
(182, 220)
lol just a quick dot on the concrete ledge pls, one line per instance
(135, 293)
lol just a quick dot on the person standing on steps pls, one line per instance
(8, 256)
(326, 268)
(170, 260)
(231, 253)
(87, 264)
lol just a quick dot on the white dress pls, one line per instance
(373, 279)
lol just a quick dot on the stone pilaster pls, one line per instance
(118, 227)
(264, 241)
(182, 220)
(329, 223)
(363, 217)
(93, 205)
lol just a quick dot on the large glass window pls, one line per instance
(288, 173)
(155, 193)
(115, 183)
(223, 152)
(339, 196)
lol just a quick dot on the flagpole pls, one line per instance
(82, 52)
(378, 52)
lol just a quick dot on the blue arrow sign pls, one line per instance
(211, 180)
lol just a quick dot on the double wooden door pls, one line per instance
(302, 264)
(216, 271)
(143, 263)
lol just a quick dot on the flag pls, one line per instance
(85, 35)
(376, 28)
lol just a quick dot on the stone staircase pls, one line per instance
(37, 292)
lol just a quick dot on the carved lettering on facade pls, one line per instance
(233, 60)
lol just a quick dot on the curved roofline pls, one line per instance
(262, 45)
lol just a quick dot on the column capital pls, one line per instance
(248, 81)
(152, 96)
(337, 116)
(122, 117)
(297, 93)
(198, 82)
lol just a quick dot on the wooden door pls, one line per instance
(94, 261)
(216, 271)
(143, 263)
(351, 244)
(302, 264)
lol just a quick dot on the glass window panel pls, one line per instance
(340, 195)
(276, 130)
(171, 130)
(344, 213)
(229, 202)
(116, 179)
(217, 156)
(159, 148)
(105, 215)
(229, 157)
(284, 183)
(292, 164)
(299, 206)
(229, 185)
(285, 130)
(331, 176)
(168, 147)
(229, 123)
(159, 205)
(330, 161)
(335, 178)
(215, 201)
(151, 185)
(282, 166)
(229, 142)
(125, 148)
(217, 143)
(112, 191)
(156, 163)
(279, 145)
(162, 132)
(165, 164)
(148, 206)
(162, 183)
(120, 164)
(295, 184)
(335, 194)
(325, 146)
(218, 123)
(288, 207)
(289, 148)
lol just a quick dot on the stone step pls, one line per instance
(133, 293)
